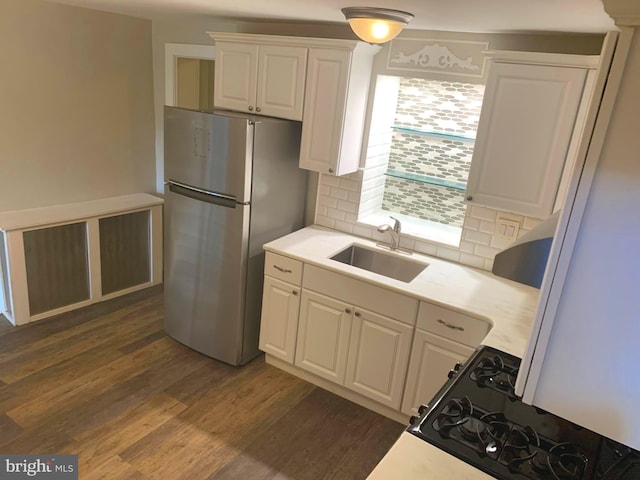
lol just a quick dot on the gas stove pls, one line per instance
(478, 418)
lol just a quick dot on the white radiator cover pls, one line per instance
(59, 258)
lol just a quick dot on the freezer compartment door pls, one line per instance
(206, 247)
(212, 152)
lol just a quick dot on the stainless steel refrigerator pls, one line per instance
(232, 184)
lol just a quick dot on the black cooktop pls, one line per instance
(478, 418)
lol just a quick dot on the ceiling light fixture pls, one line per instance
(376, 25)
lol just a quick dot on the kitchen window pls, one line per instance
(420, 148)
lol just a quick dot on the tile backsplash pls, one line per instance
(337, 208)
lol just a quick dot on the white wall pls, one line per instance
(76, 121)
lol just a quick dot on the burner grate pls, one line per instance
(477, 418)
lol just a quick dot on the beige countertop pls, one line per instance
(510, 308)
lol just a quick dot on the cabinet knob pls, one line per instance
(258, 109)
(347, 310)
(357, 314)
(250, 108)
(331, 170)
(294, 292)
(469, 198)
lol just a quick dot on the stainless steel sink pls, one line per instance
(381, 263)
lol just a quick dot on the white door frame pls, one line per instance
(173, 51)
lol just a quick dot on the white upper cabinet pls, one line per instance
(281, 79)
(527, 121)
(335, 106)
(268, 80)
(236, 76)
(323, 82)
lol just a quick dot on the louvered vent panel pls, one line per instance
(4, 281)
(57, 266)
(125, 249)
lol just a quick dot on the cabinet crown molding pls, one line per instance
(623, 12)
(309, 42)
(542, 58)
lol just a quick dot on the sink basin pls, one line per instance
(381, 263)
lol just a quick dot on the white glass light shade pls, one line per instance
(376, 25)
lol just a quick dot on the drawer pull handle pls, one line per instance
(347, 310)
(294, 292)
(283, 270)
(358, 314)
(449, 325)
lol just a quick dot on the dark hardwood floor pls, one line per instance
(106, 383)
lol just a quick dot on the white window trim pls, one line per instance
(173, 51)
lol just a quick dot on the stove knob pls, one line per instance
(454, 371)
(413, 419)
(422, 409)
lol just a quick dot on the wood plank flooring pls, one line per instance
(106, 383)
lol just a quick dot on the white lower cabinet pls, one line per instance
(390, 357)
(378, 355)
(323, 336)
(279, 325)
(431, 359)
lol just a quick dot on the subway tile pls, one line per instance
(448, 254)
(335, 214)
(348, 184)
(408, 243)
(321, 210)
(339, 193)
(323, 189)
(343, 226)
(328, 201)
(350, 217)
(530, 222)
(488, 264)
(487, 227)
(500, 242)
(486, 252)
(347, 206)
(353, 196)
(471, 223)
(425, 248)
(483, 213)
(325, 221)
(467, 247)
(363, 231)
(329, 180)
(472, 260)
(513, 217)
(478, 238)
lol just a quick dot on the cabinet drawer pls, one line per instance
(453, 325)
(283, 268)
(356, 292)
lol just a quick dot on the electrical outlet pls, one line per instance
(506, 232)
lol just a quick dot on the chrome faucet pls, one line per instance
(395, 232)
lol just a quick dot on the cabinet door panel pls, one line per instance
(323, 336)
(281, 80)
(235, 76)
(525, 128)
(431, 359)
(279, 321)
(378, 357)
(323, 119)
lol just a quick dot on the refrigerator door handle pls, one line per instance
(196, 193)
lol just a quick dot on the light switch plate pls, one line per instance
(506, 232)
